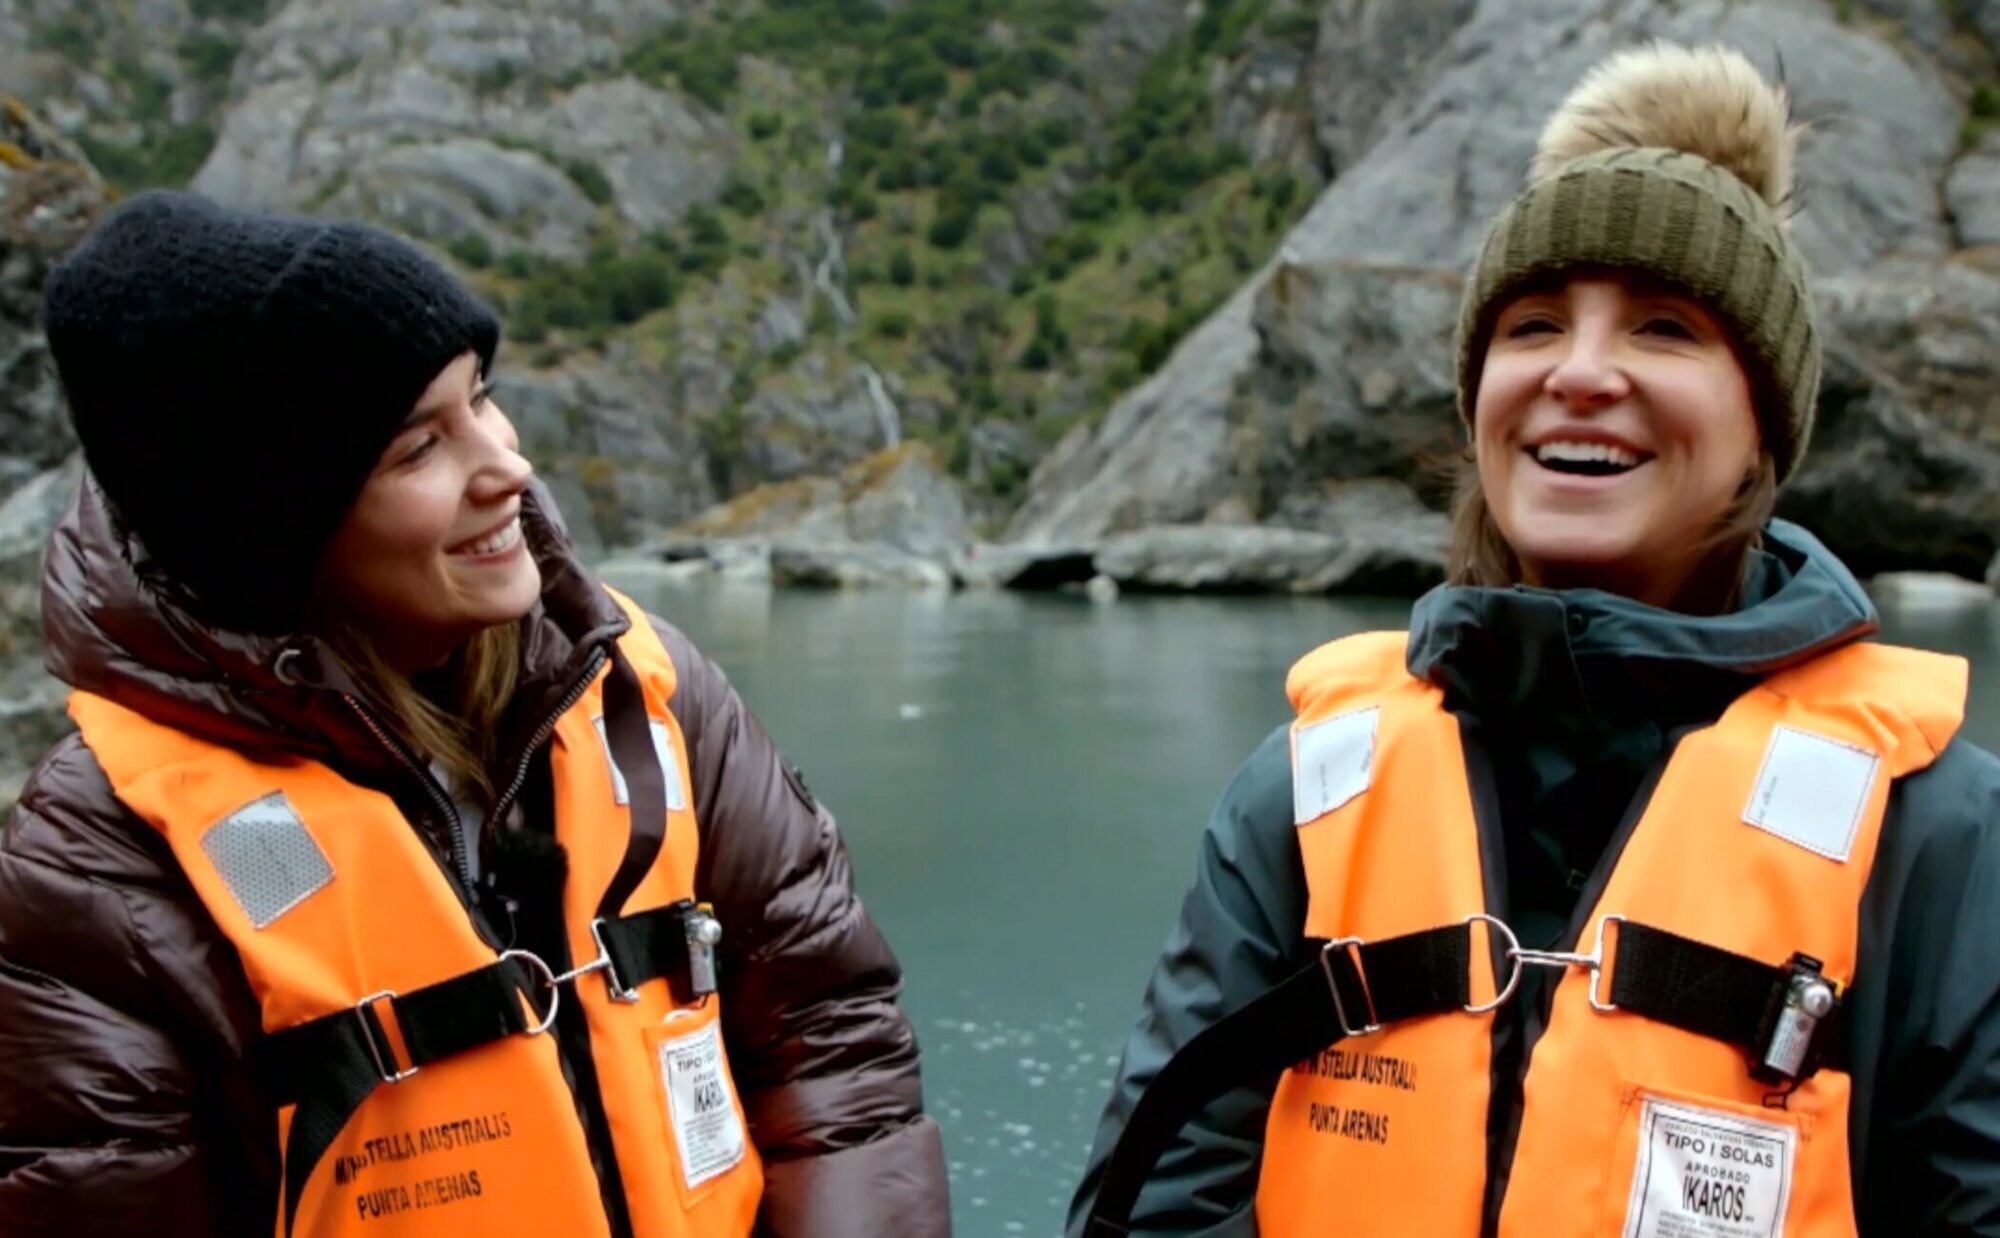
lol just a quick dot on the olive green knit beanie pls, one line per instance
(1677, 163)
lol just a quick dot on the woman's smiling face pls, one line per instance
(1614, 428)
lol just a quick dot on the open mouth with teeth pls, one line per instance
(1586, 459)
(500, 541)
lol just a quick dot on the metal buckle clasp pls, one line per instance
(613, 983)
(1522, 957)
(384, 1055)
(1353, 946)
(603, 963)
(549, 977)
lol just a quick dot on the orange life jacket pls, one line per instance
(456, 1117)
(1756, 840)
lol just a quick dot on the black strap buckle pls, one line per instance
(373, 1038)
(1351, 947)
(1385, 982)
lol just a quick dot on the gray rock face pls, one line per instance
(1028, 566)
(1448, 156)
(1336, 361)
(465, 187)
(1904, 468)
(1254, 559)
(31, 702)
(1205, 558)
(27, 517)
(1986, 17)
(49, 198)
(1158, 456)
(391, 108)
(1973, 192)
(819, 417)
(620, 465)
(661, 153)
(893, 519)
(1356, 378)
(847, 565)
(1379, 55)
(899, 499)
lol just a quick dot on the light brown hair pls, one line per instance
(461, 732)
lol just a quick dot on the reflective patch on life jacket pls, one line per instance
(1812, 791)
(1332, 762)
(267, 858)
(663, 748)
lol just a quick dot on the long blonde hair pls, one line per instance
(1480, 555)
(460, 733)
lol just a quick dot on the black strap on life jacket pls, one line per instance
(628, 732)
(1353, 988)
(1723, 996)
(329, 1066)
(1656, 975)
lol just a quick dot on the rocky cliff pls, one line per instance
(1164, 289)
(49, 197)
(1331, 364)
(1123, 264)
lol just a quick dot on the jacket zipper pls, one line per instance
(461, 861)
(572, 1032)
(582, 685)
(1508, 1094)
(603, 1154)
(461, 864)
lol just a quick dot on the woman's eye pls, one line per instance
(482, 399)
(1673, 328)
(1531, 326)
(421, 450)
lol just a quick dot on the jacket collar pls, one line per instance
(112, 628)
(1498, 650)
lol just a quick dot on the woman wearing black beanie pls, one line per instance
(401, 878)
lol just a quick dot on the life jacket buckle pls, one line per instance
(1522, 957)
(1352, 945)
(549, 978)
(383, 1055)
(613, 982)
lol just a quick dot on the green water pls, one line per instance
(1022, 781)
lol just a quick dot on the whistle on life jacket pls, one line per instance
(1792, 1035)
(703, 932)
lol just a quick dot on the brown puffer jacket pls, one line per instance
(126, 1022)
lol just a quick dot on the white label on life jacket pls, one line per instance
(1705, 1173)
(1332, 762)
(707, 1132)
(1812, 791)
(670, 769)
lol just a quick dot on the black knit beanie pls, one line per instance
(234, 377)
